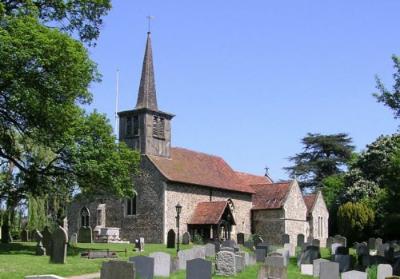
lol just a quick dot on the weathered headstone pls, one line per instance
(144, 266)
(47, 238)
(183, 257)
(210, 250)
(309, 255)
(199, 252)
(316, 266)
(334, 247)
(171, 239)
(291, 248)
(260, 255)
(239, 261)
(354, 275)
(306, 269)
(384, 270)
(378, 242)
(240, 238)
(198, 269)
(275, 267)
(265, 246)
(285, 239)
(329, 270)
(226, 263)
(24, 235)
(141, 244)
(344, 262)
(371, 243)
(162, 264)
(59, 243)
(316, 242)
(85, 235)
(285, 254)
(117, 269)
(74, 239)
(186, 238)
(300, 240)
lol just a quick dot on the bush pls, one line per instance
(355, 220)
(197, 239)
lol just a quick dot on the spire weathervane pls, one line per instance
(149, 19)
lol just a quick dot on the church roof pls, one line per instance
(252, 179)
(270, 196)
(309, 200)
(147, 88)
(208, 213)
(190, 167)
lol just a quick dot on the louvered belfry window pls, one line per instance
(158, 127)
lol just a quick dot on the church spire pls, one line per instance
(147, 89)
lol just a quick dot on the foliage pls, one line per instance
(322, 156)
(331, 188)
(197, 239)
(82, 17)
(354, 220)
(37, 218)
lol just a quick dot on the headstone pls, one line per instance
(334, 247)
(210, 250)
(40, 250)
(199, 252)
(371, 243)
(382, 248)
(265, 246)
(183, 257)
(275, 267)
(316, 242)
(59, 243)
(389, 254)
(24, 235)
(249, 244)
(300, 240)
(239, 261)
(47, 238)
(344, 262)
(186, 238)
(309, 255)
(362, 249)
(329, 270)
(74, 239)
(117, 269)
(384, 270)
(306, 269)
(144, 266)
(260, 255)
(251, 260)
(198, 269)
(285, 254)
(378, 242)
(354, 275)
(291, 248)
(285, 239)
(174, 264)
(162, 264)
(141, 244)
(240, 238)
(171, 239)
(85, 235)
(316, 266)
(226, 263)
(341, 250)
(229, 243)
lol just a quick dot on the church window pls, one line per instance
(85, 215)
(135, 125)
(158, 127)
(131, 206)
(129, 126)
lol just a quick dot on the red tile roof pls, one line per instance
(309, 200)
(209, 213)
(197, 168)
(251, 179)
(270, 196)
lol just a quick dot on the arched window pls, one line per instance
(131, 206)
(85, 215)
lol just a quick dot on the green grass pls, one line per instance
(18, 260)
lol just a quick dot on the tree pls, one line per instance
(322, 156)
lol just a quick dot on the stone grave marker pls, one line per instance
(300, 240)
(275, 267)
(260, 255)
(316, 242)
(317, 266)
(384, 270)
(198, 269)
(162, 264)
(144, 266)
(285, 254)
(183, 257)
(328, 270)
(306, 269)
(285, 239)
(239, 261)
(341, 239)
(117, 269)
(344, 262)
(265, 246)
(378, 242)
(226, 263)
(59, 243)
(174, 264)
(309, 255)
(186, 238)
(24, 235)
(240, 238)
(199, 252)
(382, 248)
(251, 259)
(341, 250)
(371, 243)
(47, 238)
(171, 239)
(291, 248)
(334, 247)
(210, 250)
(229, 243)
(249, 244)
(354, 275)
(85, 235)
(74, 239)
(40, 250)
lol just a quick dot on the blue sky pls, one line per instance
(248, 79)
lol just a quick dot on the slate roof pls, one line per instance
(251, 179)
(309, 200)
(208, 213)
(270, 196)
(190, 167)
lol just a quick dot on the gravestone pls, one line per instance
(354, 275)
(141, 244)
(240, 238)
(183, 257)
(59, 243)
(342, 240)
(334, 248)
(47, 238)
(291, 248)
(162, 264)
(210, 250)
(199, 252)
(239, 261)
(300, 240)
(250, 259)
(316, 266)
(371, 243)
(174, 264)
(171, 239)
(229, 243)
(316, 242)
(85, 235)
(186, 238)
(260, 255)
(329, 270)
(40, 250)
(309, 255)
(24, 235)
(144, 266)
(74, 239)
(341, 250)
(378, 243)
(285, 239)
(198, 269)
(263, 245)
(117, 269)
(275, 267)
(362, 249)
(384, 270)
(285, 254)
(344, 262)
(306, 269)
(225, 263)
(382, 248)
(249, 244)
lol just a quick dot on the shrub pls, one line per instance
(197, 239)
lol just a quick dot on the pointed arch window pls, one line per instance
(85, 217)
(131, 206)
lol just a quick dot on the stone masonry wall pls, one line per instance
(269, 224)
(320, 210)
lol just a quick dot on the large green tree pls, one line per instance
(322, 156)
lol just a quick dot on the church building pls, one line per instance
(217, 202)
